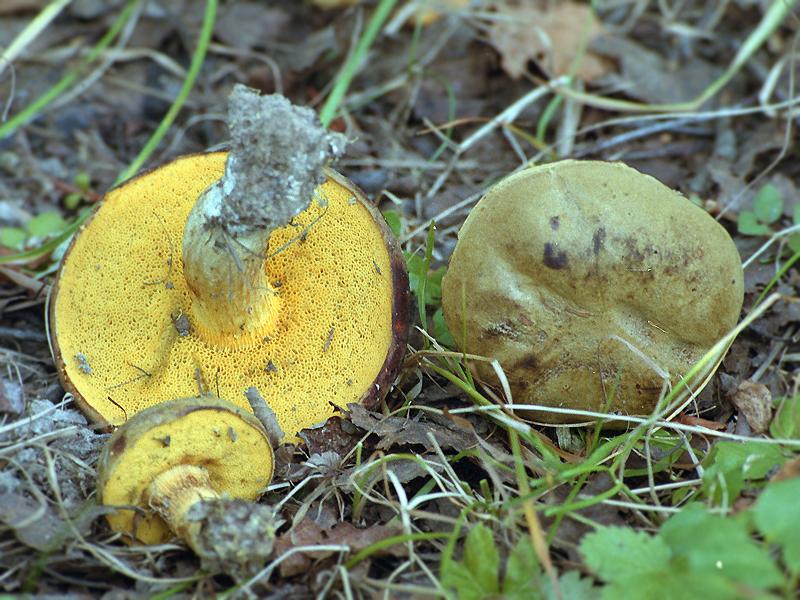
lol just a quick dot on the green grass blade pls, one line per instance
(354, 62)
(393, 541)
(209, 18)
(31, 32)
(35, 107)
(778, 12)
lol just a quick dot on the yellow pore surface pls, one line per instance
(236, 455)
(121, 295)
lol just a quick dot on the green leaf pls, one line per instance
(82, 181)
(616, 553)
(523, 574)
(696, 200)
(730, 464)
(72, 200)
(394, 221)
(748, 224)
(572, 586)
(481, 557)
(46, 224)
(441, 331)
(786, 423)
(456, 576)
(793, 241)
(13, 237)
(674, 584)
(476, 576)
(416, 275)
(777, 516)
(708, 543)
(768, 204)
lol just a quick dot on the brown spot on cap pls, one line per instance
(553, 258)
(598, 239)
(554, 223)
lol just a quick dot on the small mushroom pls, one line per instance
(591, 284)
(169, 459)
(225, 270)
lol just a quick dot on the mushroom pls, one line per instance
(221, 271)
(186, 467)
(591, 284)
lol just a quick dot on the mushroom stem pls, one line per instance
(231, 295)
(173, 493)
(276, 161)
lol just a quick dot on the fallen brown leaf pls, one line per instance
(9, 7)
(548, 33)
(336, 435)
(403, 431)
(754, 401)
(308, 533)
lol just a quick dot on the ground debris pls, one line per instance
(61, 457)
(754, 401)
(551, 34)
(250, 25)
(11, 401)
(335, 435)
(399, 431)
(651, 77)
(309, 533)
(34, 523)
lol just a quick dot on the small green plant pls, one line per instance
(425, 283)
(776, 515)
(83, 183)
(786, 423)
(767, 210)
(41, 227)
(697, 553)
(478, 574)
(731, 467)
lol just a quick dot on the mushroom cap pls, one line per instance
(588, 281)
(216, 435)
(121, 322)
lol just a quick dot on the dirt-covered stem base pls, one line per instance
(276, 161)
(174, 492)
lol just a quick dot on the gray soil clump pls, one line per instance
(278, 152)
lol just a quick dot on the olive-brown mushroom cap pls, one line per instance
(121, 321)
(589, 281)
(223, 440)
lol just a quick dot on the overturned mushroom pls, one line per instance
(592, 284)
(183, 468)
(221, 271)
